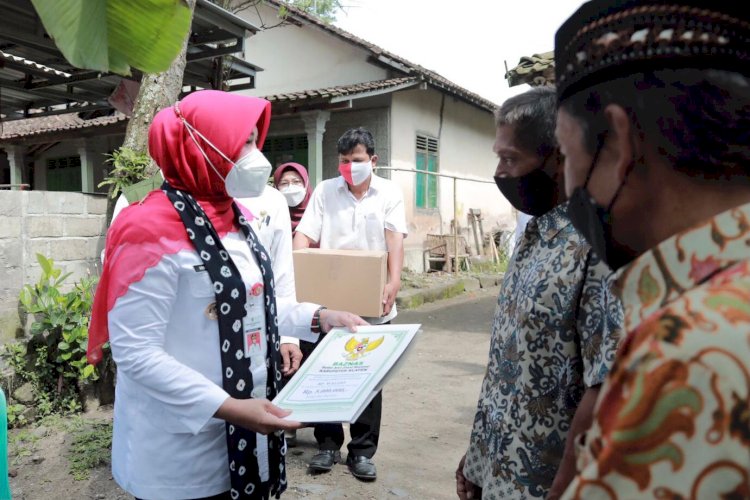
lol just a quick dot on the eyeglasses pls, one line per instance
(283, 184)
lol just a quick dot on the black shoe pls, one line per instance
(361, 467)
(324, 460)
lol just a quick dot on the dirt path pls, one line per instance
(427, 413)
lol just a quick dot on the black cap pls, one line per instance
(607, 39)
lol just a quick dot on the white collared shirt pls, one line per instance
(336, 219)
(165, 341)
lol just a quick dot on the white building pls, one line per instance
(322, 81)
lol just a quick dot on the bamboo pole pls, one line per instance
(455, 226)
(475, 232)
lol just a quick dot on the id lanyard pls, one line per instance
(253, 325)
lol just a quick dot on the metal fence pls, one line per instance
(455, 178)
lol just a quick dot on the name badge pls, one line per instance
(252, 331)
(252, 343)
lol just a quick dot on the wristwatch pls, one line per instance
(315, 327)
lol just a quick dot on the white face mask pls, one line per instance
(294, 194)
(356, 173)
(249, 176)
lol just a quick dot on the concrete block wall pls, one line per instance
(376, 120)
(68, 227)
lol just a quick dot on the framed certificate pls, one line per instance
(344, 373)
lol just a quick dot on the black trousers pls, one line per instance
(365, 432)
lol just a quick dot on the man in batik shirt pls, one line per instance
(654, 122)
(555, 329)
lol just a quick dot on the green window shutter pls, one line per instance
(427, 160)
(286, 149)
(432, 182)
(421, 181)
(64, 174)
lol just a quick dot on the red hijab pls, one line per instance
(143, 233)
(295, 213)
(225, 119)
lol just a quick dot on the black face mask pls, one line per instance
(594, 222)
(534, 193)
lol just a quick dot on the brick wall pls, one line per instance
(68, 227)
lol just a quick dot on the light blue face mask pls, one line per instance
(249, 175)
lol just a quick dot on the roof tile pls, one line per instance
(341, 90)
(55, 123)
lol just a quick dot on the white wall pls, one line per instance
(466, 139)
(298, 58)
(466, 149)
(304, 58)
(413, 111)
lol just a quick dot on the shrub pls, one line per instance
(53, 359)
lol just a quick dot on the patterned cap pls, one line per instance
(607, 39)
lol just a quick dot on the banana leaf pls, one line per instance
(117, 35)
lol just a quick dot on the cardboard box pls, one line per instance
(347, 280)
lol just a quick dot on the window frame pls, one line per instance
(426, 147)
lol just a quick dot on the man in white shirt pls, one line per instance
(358, 211)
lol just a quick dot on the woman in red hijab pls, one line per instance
(186, 300)
(292, 181)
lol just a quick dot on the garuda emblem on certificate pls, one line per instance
(356, 349)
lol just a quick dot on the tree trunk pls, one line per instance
(157, 92)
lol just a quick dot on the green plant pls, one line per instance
(490, 266)
(15, 356)
(15, 416)
(54, 359)
(129, 167)
(326, 10)
(90, 442)
(22, 444)
(91, 447)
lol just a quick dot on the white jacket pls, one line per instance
(166, 444)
